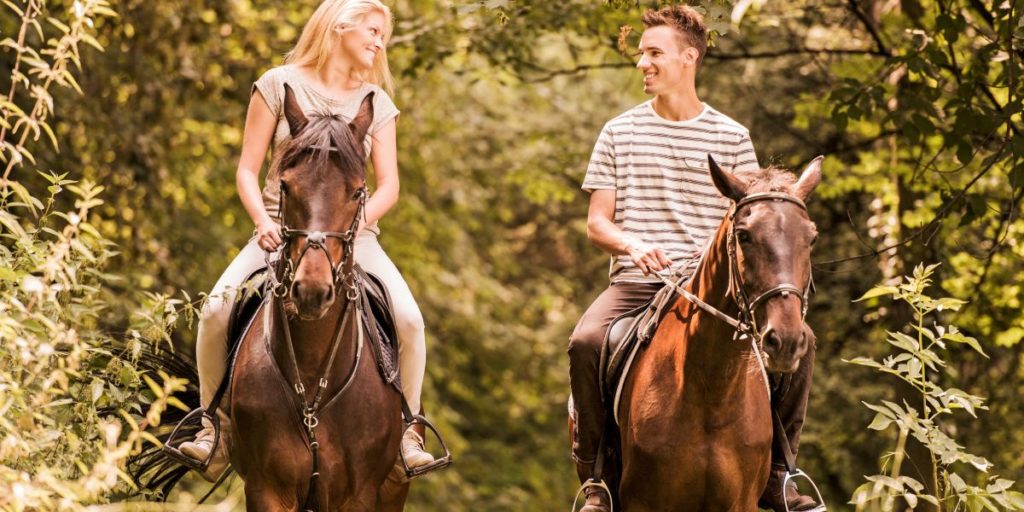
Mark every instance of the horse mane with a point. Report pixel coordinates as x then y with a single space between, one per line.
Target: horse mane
769 179
324 136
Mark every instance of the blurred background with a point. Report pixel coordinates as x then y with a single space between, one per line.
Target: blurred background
915 104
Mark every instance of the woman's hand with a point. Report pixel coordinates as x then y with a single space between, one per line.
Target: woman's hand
268 235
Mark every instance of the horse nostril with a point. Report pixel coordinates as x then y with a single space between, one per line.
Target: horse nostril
772 341
295 288
329 296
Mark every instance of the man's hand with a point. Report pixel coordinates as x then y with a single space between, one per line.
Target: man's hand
648 258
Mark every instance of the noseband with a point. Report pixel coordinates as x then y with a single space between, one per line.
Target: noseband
317 241
747 321
746 324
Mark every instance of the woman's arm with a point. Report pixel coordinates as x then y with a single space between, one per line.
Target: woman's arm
384 155
260 124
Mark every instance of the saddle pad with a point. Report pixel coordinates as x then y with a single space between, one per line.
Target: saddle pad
247 303
380 325
377 318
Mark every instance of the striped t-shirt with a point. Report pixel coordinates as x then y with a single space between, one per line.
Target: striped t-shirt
659 170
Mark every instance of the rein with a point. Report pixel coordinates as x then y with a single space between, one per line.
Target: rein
281 286
746 325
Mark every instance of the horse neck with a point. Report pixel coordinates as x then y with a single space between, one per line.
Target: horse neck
709 339
711 277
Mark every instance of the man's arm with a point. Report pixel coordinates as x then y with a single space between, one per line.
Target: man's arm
602 232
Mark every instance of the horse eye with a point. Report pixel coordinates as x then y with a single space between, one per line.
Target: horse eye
743 236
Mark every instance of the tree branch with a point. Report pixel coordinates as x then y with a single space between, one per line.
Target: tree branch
932 225
883 49
548 74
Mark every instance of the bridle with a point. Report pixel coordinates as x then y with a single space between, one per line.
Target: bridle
746 324
343 276
747 306
284 275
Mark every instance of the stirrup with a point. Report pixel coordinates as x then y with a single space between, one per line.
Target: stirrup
171 447
798 473
439 463
593 483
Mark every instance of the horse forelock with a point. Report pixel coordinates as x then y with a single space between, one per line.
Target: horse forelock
324 136
769 179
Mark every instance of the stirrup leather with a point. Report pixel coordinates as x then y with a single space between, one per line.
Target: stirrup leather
593 483
173 443
439 463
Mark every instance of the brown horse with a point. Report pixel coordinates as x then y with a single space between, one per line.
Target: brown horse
696 427
313 428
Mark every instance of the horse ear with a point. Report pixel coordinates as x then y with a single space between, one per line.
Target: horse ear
361 123
293 112
728 185
809 179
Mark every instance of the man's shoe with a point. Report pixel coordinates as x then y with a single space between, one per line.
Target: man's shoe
412 450
777 499
597 500
200 448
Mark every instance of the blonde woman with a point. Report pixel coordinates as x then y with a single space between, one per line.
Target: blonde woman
339 58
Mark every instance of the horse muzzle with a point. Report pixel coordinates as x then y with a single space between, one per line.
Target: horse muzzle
312 299
784 348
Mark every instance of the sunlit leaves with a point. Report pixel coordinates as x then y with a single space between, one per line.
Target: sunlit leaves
69 384
916 360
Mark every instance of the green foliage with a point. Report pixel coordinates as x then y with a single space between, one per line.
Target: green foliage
501 104
917 359
71 394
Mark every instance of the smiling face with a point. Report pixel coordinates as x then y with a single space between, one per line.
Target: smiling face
665 62
360 43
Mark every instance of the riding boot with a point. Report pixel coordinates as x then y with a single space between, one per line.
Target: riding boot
597 499
413 449
199 449
777 499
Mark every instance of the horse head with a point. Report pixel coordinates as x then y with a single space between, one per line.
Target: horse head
770 240
323 179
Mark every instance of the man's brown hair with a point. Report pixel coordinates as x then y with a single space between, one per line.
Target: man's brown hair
688 22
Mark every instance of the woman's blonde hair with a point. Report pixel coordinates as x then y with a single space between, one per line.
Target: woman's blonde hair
318 37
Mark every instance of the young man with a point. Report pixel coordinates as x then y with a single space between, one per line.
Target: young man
653 207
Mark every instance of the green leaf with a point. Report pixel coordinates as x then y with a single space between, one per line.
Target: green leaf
902 341
880 422
911 500
864 361
957 337
878 291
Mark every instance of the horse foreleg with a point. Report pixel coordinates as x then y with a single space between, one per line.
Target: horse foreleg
393 491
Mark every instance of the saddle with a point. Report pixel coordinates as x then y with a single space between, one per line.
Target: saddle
378 319
626 334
